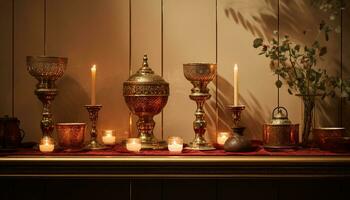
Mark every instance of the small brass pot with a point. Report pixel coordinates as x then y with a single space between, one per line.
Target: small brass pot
280 133
71 135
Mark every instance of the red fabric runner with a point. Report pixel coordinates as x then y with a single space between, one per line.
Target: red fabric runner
121 151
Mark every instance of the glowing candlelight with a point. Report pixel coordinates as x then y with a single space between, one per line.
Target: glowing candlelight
133 144
175 144
46 145
108 137
235 85
222 137
93 85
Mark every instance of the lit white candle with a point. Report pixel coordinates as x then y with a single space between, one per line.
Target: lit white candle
46 145
235 85
108 137
93 85
222 137
175 144
133 144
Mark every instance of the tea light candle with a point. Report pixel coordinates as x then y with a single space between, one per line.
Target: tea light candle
46 145
222 137
175 144
133 144
108 137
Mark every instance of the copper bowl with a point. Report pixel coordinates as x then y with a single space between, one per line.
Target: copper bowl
320 134
71 135
336 144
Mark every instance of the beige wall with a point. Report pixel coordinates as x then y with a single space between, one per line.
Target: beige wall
97 32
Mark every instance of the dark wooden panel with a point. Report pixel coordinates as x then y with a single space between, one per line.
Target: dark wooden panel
87 189
248 190
5 190
146 189
189 189
27 189
310 190
344 190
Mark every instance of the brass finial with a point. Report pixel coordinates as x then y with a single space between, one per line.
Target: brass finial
145 61
145 69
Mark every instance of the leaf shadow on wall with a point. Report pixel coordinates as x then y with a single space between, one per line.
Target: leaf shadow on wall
260 19
257 17
70 101
299 16
252 116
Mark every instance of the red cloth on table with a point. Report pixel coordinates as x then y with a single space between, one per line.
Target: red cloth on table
121 151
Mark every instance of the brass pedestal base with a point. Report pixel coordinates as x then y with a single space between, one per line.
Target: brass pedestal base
94 145
155 146
203 147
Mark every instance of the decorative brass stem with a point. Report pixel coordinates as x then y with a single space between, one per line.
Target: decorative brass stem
145 126
199 124
46 96
93 115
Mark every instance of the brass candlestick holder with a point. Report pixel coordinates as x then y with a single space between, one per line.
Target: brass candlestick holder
200 75
237 142
236 111
46 70
93 115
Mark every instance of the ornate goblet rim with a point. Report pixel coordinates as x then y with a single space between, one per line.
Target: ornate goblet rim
47 58
196 64
70 124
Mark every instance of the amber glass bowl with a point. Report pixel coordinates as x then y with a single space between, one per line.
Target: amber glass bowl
71 135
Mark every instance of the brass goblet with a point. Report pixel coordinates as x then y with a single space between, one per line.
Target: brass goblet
200 75
46 70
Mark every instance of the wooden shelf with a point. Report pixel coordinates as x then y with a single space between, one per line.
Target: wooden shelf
237 167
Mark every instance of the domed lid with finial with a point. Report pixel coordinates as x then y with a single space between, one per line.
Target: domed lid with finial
145 82
280 117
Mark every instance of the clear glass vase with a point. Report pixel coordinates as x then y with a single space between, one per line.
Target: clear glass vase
309 102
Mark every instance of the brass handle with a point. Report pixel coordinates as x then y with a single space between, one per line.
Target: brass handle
279 108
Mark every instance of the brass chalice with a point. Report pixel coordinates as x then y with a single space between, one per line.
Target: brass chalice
46 70
200 75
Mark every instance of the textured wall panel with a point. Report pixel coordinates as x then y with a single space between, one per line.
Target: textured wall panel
91 32
6 57
239 23
189 36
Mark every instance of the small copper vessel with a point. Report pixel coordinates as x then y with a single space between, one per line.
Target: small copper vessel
321 134
10 133
280 133
71 135
146 94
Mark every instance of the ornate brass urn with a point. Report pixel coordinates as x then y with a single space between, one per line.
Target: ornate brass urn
146 94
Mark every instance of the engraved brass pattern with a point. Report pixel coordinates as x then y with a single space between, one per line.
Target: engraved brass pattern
145 90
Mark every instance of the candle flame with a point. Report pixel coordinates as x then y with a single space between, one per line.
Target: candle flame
235 67
93 68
